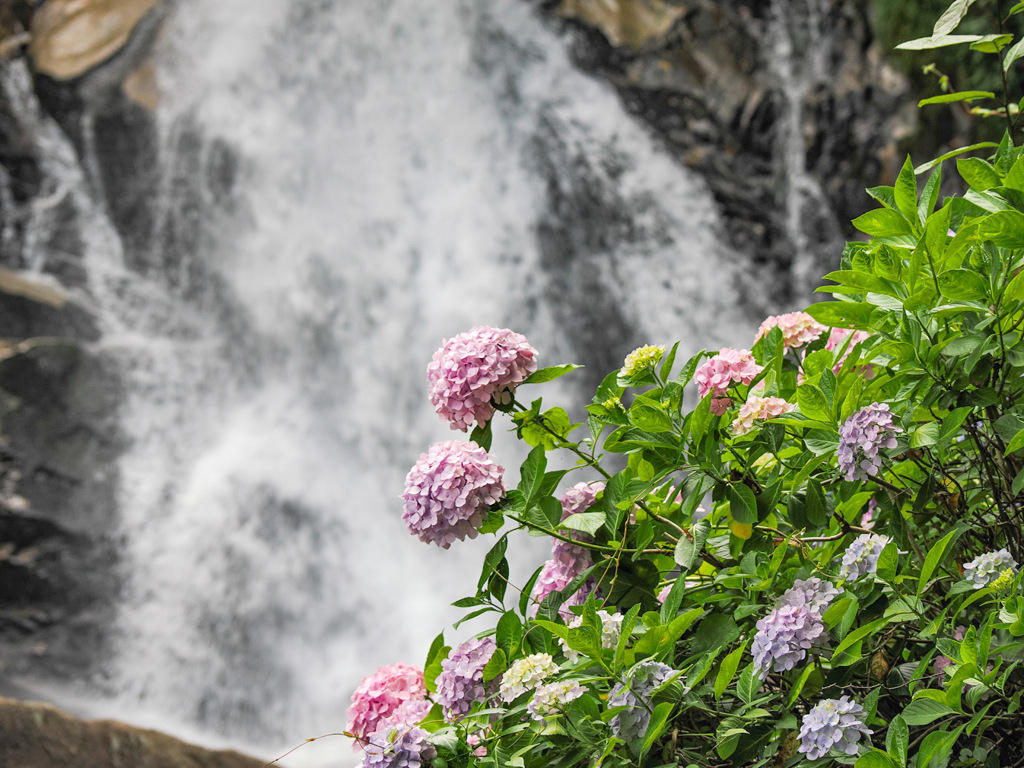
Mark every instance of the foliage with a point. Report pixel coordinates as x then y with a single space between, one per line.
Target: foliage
851 593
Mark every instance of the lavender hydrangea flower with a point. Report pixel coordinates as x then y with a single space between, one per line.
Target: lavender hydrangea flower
567 562
635 693
550 699
525 674
860 438
401 746
473 370
611 627
987 567
814 594
861 557
783 638
448 491
461 682
832 724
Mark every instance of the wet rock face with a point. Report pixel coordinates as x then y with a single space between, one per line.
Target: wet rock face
703 77
38 736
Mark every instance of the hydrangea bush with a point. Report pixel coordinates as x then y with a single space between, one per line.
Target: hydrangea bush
804 552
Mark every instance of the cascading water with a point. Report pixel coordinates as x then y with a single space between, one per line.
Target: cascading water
342 185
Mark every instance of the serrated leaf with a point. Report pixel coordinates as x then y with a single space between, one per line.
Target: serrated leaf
925 711
1004 228
979 174
687 552
897 739
743 504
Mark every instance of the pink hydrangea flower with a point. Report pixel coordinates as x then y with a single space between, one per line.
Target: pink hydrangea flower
728 367
567 562
798 328
474 369
448 491
580 498
381 695
837 338
759 409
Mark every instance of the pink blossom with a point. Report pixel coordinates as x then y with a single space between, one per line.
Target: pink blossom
567 562
798 328
728 367
448 491
381 695
473 370
759 409
837 337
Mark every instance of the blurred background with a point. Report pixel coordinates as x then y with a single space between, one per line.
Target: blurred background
232 234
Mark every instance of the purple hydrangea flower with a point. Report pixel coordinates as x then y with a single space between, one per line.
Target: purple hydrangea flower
461 682
860 438
567 562
814 594
635 693
861 557
401 746
550 699
473 370
783 638
448 491
986 568
832 724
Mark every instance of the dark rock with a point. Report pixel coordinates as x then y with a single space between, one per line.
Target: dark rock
34 735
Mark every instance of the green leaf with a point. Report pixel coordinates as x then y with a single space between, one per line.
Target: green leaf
991 43
936 41
547 429
588 522
897 739
432 666
687 552
905 191
978 173
948 155
1013 54
650 419
925 435
874 759
841 314
963 284
1004 228
888 560
727 671
934 558
859 634
951 17
882 222
498 663
816 508
948 98
509 633
925 711
656 727
813 403
743 504
1015 445
550 373
747 685
531 474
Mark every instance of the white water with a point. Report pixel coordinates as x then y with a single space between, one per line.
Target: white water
388 193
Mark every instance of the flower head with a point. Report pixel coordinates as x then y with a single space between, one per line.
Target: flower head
641 359
635 693
783 638
379 696
398 746
611 626
550 699
832 724
987 568
448 491
461 682
567 562
861 557
837 338
798 328
728 367
474 369
759 409
860 438
525 674
814 594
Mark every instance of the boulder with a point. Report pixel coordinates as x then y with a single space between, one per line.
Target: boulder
34 735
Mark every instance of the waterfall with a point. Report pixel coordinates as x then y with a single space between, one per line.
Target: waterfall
340 187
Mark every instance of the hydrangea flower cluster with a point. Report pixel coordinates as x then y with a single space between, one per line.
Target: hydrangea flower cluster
398 746
987 567
448 491
783 638
759 409
867 520
611 626
461 682
379 696
832 724
861 557
475 369
640 359
635 693
798 328
526 674
567 562
814 594
728 367
579 498
550 699
860 438
837 337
